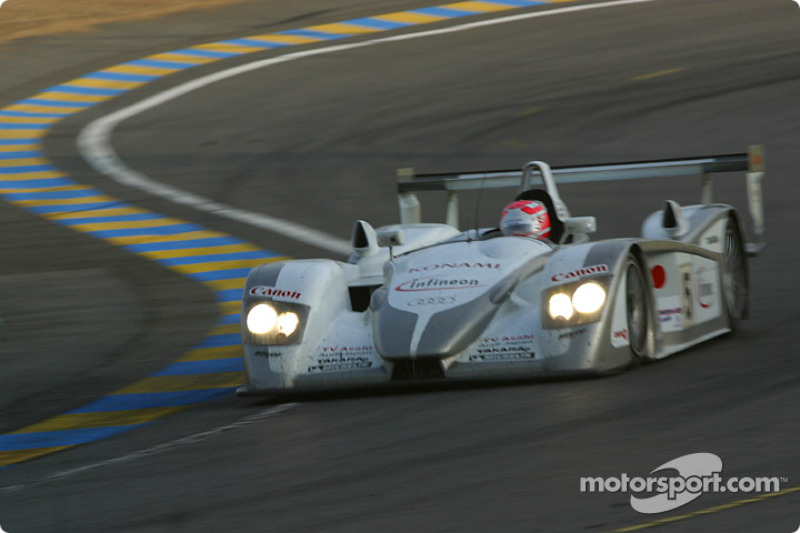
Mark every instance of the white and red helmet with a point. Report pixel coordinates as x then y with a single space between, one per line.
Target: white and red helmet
525 218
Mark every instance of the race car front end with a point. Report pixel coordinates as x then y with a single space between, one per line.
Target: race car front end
460 311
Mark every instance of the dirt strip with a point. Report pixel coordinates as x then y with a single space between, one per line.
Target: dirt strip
32 18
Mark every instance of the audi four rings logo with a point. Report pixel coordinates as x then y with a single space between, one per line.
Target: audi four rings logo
442 300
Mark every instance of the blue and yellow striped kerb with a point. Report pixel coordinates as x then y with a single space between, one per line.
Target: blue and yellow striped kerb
220 261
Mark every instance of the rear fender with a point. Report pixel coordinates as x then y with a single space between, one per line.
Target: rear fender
706 226
686 281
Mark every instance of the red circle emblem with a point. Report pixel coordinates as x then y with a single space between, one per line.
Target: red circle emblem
659 276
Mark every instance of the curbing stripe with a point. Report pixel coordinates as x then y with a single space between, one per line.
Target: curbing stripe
218 341
183 383
131 217
162 64
275 39
22 184
247 43
66 437
74 208
131 402
27 169
73 89
107 75
175 229
18 456
207 354
348 28
222 265
96 420
28 120
205 53
444 12
97 83
231 319
210 366
28 114
217 258
378 24
181 245
218 275
44 102
225 48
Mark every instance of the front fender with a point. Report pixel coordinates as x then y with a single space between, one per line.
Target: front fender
317 290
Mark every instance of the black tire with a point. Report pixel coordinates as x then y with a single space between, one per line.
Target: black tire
637 309
735 288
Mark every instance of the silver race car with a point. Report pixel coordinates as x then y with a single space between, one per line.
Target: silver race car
419 301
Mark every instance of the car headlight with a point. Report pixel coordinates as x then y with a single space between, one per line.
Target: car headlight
287 323
588 298
573 304
560 306
261 319
273 322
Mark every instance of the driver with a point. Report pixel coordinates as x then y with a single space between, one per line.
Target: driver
525 218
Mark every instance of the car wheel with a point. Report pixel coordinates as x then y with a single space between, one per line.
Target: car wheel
638 309
734 274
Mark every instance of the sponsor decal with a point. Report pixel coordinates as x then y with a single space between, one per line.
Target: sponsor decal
452 266
678 482
713 239
506 348
619 337
500 357
433 300
659 276
342 358
580 273
272 292
572 334
671 318
436 284
686 293
267 353
340 366
512 338
339 350
704 291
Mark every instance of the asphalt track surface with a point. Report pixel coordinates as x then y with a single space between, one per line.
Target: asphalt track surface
316 141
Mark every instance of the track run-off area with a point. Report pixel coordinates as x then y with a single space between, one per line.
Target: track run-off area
218 163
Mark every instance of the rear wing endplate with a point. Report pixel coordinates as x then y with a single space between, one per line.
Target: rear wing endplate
751 162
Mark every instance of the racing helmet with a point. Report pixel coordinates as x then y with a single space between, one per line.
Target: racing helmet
525 218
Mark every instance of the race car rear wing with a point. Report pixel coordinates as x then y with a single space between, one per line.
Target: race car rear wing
751 162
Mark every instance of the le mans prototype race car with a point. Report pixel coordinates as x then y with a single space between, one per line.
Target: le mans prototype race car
420 301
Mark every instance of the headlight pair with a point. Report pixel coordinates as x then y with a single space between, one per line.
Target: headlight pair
263 318
274 323
573 304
